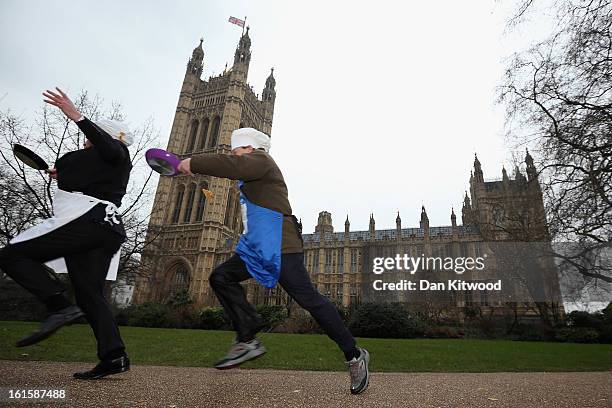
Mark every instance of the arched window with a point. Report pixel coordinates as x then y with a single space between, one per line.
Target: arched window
203 134
190 197
201 203
180 276
178 203
229 211
193 133
214 139
179 280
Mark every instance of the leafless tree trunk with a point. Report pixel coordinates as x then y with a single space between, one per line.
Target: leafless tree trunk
558 99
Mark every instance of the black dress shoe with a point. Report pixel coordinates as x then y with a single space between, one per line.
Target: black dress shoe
104 368
51 324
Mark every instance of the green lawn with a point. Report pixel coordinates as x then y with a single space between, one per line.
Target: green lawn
313 352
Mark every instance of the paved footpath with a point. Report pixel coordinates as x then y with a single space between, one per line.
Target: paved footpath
152 386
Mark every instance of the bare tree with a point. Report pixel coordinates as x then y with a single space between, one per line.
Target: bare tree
26 195
558 99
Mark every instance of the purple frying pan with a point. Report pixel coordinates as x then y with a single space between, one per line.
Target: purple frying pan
163 162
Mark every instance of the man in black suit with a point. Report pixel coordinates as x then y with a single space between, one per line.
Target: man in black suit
86 231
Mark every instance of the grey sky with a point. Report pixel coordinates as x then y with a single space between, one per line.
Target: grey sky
380 105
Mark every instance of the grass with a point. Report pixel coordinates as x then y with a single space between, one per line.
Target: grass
202 348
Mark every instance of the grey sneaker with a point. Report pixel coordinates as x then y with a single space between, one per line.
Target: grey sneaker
358 369
241 352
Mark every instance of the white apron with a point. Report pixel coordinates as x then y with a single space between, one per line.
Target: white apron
68 207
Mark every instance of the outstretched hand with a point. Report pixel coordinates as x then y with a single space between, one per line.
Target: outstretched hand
52 172
185 167
63 102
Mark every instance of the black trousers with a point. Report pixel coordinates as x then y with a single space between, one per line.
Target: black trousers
225 281
88 247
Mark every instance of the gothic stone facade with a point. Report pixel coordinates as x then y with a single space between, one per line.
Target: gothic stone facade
498 211
189 234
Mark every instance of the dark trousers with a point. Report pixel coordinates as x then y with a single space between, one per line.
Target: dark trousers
225 281
88 247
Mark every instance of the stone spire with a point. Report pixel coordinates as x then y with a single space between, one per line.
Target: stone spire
269 94
242 56
532 173
505 177
424 223
466 201
518 176
196 62
466 210
478 175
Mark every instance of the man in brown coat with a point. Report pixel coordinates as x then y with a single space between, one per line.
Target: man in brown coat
270 250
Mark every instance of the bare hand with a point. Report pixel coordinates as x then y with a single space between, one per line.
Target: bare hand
185 167
52 172
62 101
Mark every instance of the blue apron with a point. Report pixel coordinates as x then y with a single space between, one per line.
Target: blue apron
259 246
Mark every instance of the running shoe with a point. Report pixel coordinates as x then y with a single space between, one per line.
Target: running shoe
358 370
241 352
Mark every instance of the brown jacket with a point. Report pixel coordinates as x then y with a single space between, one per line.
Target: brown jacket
264 185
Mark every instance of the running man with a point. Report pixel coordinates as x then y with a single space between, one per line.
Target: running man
270 250
84 236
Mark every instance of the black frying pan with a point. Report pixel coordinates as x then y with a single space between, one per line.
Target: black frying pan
30 158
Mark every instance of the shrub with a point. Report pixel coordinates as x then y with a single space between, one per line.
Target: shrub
272 315
121 315
471 312
213 318
584 327
607 313
584 319
183 317
180 299
577 335
298 324
605 334
149 314
342 311
386 320
487 327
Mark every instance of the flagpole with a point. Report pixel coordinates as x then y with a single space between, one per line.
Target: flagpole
243 25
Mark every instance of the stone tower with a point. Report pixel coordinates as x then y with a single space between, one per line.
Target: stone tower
324 223
190 234
506 208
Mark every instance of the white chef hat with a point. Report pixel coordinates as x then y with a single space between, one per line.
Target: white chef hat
117 130
250 137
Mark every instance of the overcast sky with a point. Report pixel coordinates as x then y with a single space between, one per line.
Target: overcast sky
380 105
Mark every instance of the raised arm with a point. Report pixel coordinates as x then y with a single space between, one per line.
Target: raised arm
110 149
247 167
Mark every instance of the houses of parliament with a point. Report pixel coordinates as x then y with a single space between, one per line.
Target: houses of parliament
189 234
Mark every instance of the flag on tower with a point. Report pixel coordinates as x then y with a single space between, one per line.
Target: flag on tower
236 21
